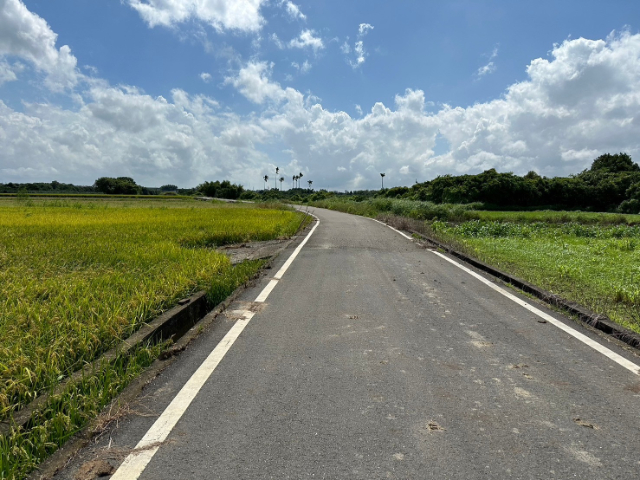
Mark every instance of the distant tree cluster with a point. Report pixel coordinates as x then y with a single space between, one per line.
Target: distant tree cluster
117 186
612 183
224 189
53 187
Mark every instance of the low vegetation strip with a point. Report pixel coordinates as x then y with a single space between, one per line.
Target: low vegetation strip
425 210
596 266
76 279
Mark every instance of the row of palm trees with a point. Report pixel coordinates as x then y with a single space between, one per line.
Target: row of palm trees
295 180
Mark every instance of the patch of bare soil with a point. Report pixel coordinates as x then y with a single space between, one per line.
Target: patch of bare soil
94 469
239 253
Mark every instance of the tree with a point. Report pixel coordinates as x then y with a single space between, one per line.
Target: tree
276 177
620 162
224 189
117 186
168 188
281 179
382 175
300 175
310 182
266 179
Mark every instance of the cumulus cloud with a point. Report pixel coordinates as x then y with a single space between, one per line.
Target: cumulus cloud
254 82
307 39
205 77
581 101
121 131
221 14
24 34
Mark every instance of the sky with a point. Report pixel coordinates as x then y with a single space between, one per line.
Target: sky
186 91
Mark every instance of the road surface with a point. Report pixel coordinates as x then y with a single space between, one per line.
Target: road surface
373 358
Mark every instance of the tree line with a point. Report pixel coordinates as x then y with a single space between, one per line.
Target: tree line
611 184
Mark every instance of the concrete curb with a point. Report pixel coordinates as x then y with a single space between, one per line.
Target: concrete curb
170 324
599 322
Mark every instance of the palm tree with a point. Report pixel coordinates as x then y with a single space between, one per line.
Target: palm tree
281 180
276 178
300 176
293 182
297 177
382 175
266 179
309 182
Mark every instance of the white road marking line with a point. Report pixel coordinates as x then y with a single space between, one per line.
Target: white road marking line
620 360
266 291
136 462
295 253
394 229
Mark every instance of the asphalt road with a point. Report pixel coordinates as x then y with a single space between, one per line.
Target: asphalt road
375 358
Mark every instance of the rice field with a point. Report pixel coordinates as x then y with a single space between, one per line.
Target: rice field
78 276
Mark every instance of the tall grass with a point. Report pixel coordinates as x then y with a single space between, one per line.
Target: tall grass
419 210
594 265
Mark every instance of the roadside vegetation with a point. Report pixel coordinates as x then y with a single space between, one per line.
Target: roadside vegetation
77 277
596 265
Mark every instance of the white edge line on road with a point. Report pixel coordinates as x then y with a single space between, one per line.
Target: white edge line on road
620 360
136 462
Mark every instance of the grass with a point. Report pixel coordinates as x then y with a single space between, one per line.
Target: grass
596 265
77 276
461 213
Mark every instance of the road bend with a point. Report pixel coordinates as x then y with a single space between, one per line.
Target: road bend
373 358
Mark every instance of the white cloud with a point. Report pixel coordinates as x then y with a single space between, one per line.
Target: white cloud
358 47
26 35
275 39
205 77
307 39
582 101
304 68
293 10
254 82
121 131
241 15
486 69
8 72
360 54
490 67
364 28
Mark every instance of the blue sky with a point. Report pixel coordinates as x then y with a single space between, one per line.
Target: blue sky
182 91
